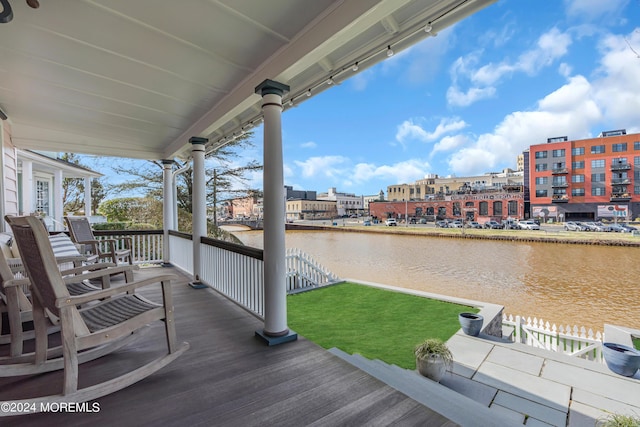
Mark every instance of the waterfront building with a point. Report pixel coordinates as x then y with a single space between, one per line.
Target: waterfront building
585 179
310 209
346 203
479 206
433 185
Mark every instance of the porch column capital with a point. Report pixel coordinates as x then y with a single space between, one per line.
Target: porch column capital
167 162
271 87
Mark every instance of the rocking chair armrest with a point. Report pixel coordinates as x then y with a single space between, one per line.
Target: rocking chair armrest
17 282
85 268
109 292
99 273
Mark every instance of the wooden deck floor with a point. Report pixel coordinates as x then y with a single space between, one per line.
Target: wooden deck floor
227 377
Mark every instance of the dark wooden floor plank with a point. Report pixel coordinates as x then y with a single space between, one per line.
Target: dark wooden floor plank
228 377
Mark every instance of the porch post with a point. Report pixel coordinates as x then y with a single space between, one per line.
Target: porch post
87 196
199 206
167 209
27 187
275 294
58 203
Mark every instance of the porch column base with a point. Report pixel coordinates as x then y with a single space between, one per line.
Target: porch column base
166 264
198 285
275 340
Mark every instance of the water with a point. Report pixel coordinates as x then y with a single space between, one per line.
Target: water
563 284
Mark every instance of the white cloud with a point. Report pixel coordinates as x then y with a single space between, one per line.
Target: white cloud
550 46
321 166
309 144
411 130
592 9
402 172
472 95
449 143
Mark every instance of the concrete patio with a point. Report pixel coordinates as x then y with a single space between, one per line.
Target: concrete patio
538 387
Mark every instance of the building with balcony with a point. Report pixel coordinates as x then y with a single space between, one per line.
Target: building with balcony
433 185
585 179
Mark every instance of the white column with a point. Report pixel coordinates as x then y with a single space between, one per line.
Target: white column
87 197
199 203
167 207
27 187
58 204
275 294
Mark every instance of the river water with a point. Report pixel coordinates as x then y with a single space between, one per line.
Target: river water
561 283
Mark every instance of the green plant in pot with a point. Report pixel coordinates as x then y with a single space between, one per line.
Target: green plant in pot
433 358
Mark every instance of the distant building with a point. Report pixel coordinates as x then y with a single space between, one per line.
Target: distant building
432 185
290 193
346 203
585 179
310 209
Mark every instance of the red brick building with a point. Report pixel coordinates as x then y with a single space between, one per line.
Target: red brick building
479 207
585 179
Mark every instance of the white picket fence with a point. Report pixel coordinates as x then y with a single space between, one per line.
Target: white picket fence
304 272
577 342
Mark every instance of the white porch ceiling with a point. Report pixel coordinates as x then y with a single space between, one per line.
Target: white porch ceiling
138 78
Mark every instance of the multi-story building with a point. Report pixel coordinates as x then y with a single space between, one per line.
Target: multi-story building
585 179
346 203
310 209
432 185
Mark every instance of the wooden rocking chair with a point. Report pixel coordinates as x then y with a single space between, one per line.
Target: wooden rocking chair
81 232
16 304
115 313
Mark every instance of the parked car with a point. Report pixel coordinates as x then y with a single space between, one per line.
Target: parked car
589 226
602 227
366 222
510 224
455 224
492 224
391 222
442 224
574 226
473 224
616 228
628 228
528 225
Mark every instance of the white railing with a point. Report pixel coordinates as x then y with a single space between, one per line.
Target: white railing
304 272
146 246
236 272
577 342
181 250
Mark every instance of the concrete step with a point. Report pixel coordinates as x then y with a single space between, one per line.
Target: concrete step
457 407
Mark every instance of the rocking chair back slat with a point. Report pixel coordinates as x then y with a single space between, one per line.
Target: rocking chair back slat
39 260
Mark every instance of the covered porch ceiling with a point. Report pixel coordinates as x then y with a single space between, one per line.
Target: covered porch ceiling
138 78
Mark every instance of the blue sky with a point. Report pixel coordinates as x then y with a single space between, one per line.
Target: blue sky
469 100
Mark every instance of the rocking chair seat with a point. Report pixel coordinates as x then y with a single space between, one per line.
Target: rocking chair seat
114 311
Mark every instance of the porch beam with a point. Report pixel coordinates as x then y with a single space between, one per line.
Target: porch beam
275 294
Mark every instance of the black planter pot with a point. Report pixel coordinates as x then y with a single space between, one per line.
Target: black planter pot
470 323
621 359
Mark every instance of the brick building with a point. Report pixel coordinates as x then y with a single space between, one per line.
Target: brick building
585 179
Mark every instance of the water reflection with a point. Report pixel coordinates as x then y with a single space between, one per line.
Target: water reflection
563 284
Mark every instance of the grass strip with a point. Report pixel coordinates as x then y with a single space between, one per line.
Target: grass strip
376 323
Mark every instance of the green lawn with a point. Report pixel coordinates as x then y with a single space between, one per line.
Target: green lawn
376 323
636 342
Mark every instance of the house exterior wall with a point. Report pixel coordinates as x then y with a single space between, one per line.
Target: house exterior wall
9 173
592 178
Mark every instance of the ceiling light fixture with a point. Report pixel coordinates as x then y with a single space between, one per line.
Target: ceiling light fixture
428 28
309 92
355 67
330 81
3 116
389 51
